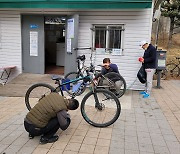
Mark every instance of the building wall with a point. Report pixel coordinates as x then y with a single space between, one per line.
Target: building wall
10 41
137 24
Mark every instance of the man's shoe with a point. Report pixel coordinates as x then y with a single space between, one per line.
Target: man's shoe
31 136
44 140
53 139
146 95
142 92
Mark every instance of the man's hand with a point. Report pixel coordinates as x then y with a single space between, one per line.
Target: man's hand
141 59
106 65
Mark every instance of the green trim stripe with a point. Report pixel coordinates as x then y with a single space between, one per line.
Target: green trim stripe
77 4
141 1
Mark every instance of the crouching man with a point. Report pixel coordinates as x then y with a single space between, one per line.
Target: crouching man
48 115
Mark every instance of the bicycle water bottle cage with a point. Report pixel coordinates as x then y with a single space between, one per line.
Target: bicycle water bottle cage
82 58
76 87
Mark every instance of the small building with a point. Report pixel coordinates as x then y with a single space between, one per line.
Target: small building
36 34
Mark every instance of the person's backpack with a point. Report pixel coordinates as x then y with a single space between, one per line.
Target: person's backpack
141 75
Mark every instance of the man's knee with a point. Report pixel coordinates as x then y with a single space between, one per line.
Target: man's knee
118 84
67 125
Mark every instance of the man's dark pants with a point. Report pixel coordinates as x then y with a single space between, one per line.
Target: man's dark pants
48 131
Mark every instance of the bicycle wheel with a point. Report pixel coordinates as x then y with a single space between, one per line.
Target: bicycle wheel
36 92
71 76
115 83
172 70
100 108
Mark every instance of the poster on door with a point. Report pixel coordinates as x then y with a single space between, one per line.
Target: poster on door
70 28
33 43
69 46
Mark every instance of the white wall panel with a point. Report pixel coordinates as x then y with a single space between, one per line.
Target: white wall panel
10 41
137 24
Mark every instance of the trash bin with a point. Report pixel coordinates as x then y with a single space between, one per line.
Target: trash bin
161 60
160 65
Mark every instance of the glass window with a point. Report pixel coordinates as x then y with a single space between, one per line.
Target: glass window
108 36
115 37
100 37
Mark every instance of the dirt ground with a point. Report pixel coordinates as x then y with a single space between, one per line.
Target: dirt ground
173 50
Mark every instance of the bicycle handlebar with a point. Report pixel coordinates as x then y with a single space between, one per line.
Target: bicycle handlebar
82 58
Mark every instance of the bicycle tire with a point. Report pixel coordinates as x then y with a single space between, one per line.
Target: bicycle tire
74 75
92 112
164 74
172 70
111 87
36 92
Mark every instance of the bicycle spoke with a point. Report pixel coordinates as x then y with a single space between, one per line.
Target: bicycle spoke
100 108
117 85
172 70
37 92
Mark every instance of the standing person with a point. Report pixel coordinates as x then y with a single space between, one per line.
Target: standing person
48 115
149 62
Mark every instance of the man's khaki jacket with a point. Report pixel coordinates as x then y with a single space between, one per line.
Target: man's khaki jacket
46 108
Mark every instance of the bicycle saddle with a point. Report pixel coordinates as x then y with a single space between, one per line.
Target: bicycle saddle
56 77
82 58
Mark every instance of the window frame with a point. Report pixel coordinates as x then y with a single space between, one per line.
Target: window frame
107 28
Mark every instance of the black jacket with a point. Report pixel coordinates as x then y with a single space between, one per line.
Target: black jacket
150 57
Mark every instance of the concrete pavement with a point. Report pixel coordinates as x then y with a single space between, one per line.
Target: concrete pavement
145 126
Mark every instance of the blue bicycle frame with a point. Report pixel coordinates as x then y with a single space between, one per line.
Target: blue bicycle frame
75 87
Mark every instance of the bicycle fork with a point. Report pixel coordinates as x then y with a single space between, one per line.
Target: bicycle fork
96 99
98 105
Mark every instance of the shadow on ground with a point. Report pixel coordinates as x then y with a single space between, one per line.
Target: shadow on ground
18 86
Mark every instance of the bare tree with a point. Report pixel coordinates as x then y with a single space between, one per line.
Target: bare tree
171 9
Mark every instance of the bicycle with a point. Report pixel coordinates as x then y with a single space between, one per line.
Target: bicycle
163 74
173 69
103 82
79 73
99 107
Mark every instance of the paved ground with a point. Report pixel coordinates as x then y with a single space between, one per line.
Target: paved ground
19 85
146 126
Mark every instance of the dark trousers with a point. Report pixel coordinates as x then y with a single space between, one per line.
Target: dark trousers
48 131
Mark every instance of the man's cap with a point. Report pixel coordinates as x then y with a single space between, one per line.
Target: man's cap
142 43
